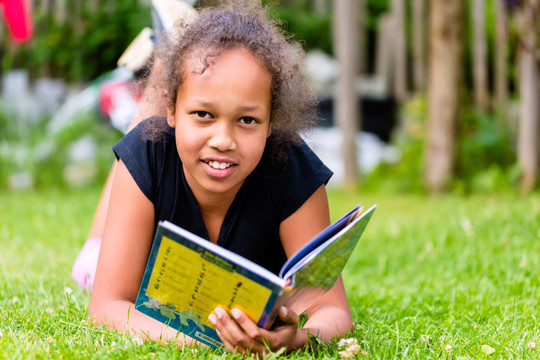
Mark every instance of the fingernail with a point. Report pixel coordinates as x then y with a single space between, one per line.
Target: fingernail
284 311
217 311
236 313
212 319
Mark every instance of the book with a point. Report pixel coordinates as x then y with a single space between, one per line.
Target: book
187 277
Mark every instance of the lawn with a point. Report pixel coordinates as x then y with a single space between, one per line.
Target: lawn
434 277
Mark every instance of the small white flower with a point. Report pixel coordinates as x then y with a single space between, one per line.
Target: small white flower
448 348
531 345
137 340
68 290
466 225
347 342
345 354
349 352
425 338
523 263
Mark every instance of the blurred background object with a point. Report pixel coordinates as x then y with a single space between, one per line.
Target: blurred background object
425 96
18 17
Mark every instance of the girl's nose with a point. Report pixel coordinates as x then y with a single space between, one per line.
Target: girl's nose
222 138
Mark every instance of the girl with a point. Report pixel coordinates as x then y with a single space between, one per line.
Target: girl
226 163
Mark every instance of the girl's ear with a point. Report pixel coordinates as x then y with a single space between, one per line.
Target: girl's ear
170 116
269 130
170 111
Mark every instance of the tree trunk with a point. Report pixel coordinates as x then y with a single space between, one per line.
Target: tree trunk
444 79
480 79
60 11
419 44
501 56
346 109
384 51
320 6
528 125
362 31
400 51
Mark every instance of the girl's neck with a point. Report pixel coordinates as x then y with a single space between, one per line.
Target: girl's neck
213 206
213 211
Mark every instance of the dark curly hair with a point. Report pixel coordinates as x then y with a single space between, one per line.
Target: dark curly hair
243 23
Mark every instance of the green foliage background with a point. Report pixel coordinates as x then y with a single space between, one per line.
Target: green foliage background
93 37
83 47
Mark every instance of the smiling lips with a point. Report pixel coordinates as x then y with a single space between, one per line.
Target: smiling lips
219 165
219 169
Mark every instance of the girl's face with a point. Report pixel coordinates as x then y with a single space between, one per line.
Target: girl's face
222 121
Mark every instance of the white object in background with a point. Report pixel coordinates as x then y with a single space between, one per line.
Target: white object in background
371 151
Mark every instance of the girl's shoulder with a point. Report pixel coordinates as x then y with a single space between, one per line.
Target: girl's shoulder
291 151
292 177
155 128
293 162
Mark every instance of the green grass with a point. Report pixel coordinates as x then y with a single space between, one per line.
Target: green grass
430 272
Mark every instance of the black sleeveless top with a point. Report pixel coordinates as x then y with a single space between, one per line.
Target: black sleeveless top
269 195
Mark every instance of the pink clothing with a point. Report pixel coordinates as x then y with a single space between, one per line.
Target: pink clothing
84 267
18 16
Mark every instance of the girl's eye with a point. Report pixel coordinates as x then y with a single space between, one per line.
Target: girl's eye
203 114
248 120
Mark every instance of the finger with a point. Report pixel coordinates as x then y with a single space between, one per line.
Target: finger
216 319
233 348
223 335
232 335
248 326
288 317
271 340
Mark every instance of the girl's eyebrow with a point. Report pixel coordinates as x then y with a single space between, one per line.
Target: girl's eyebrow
202 102
250 108
206 103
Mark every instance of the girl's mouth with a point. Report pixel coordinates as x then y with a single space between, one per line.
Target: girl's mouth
219 165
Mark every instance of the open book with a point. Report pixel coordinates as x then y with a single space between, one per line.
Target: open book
187 277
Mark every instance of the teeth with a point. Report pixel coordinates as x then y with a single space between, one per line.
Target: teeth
218 165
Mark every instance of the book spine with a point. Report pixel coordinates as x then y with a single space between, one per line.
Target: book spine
268 317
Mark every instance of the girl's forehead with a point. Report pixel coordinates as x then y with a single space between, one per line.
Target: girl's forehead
235 75
198 60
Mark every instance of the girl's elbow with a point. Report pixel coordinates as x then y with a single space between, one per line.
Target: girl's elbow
344 323
97 311
95 314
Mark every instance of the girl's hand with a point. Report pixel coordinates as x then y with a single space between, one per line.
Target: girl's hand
240 334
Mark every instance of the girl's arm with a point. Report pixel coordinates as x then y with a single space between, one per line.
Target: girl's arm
147 107
328 317
127 238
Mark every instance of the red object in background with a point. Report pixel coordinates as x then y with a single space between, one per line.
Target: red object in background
18 16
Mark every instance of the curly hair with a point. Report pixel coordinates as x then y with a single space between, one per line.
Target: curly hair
244 23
